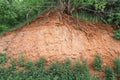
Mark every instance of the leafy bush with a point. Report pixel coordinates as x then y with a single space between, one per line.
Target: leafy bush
3 58
109 73
97 64
14 12
117 34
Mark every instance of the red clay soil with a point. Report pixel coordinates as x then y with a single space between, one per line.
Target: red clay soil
57 36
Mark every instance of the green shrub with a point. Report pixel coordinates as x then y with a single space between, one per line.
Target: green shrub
67 73
40 63
3 28
117 34
109 73
21 61
117 65
97 64
13 64
94 77
55 70
81 71
28 64
3 58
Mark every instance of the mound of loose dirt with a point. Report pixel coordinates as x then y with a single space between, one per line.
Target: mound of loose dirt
57 36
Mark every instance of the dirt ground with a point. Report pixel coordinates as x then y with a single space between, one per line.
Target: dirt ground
59 36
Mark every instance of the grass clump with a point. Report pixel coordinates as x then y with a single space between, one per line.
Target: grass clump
3 58
109 73
97 64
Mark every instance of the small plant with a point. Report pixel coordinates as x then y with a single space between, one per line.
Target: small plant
97 64
21 61
28 64
117 34
13 64
40 63
67 64
117 65
94 77
67 73
3 58
55 70
3 28
81 71
109 73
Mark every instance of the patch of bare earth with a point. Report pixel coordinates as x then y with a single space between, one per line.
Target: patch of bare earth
57 37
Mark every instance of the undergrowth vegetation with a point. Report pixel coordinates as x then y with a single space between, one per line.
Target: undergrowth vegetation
28 70
16 13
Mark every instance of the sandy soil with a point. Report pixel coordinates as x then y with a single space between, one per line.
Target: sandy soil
57 36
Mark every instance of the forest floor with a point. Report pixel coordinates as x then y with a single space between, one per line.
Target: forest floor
59 36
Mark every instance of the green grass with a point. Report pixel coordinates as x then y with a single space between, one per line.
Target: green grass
86 16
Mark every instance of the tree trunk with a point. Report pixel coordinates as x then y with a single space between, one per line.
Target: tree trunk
65 6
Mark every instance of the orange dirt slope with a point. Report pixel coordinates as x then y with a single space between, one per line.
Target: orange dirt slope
57 36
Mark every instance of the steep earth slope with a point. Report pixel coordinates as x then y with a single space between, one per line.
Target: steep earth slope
56 37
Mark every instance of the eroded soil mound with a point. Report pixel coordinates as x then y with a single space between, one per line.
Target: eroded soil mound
57 36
